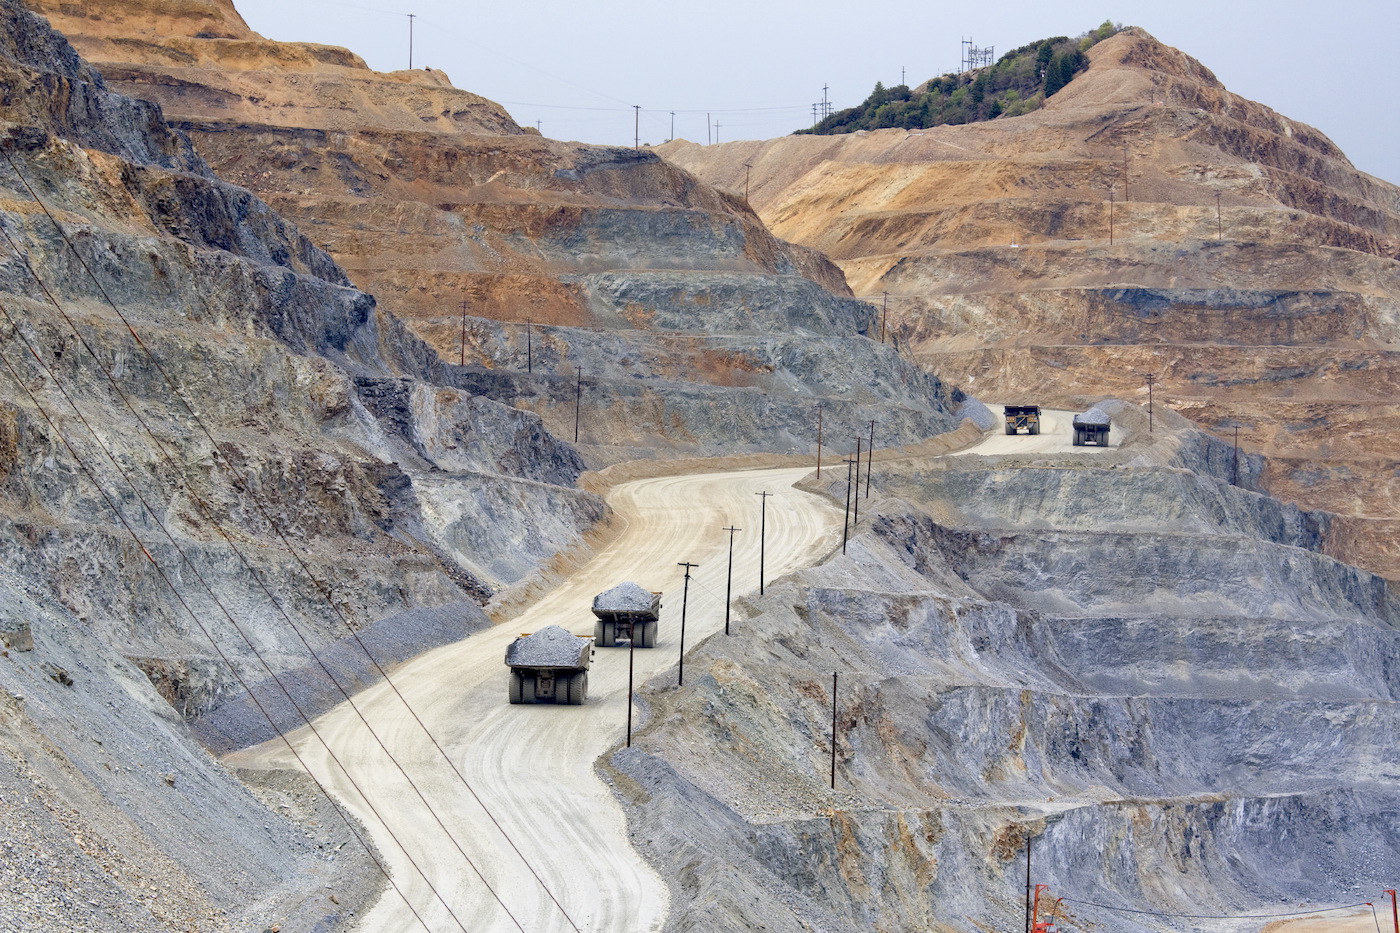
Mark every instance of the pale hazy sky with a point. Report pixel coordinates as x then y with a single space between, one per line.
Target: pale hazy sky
758 67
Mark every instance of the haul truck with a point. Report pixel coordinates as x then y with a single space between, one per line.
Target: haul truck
1022 418
626 612
549 665
1091 428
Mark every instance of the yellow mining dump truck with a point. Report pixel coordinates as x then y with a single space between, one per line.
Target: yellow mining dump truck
627 612
1022 418
549 665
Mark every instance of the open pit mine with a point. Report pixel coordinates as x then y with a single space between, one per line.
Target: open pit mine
409 522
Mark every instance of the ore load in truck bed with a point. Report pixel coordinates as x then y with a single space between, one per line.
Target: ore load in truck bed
627 599
627 612
1091 427
550 647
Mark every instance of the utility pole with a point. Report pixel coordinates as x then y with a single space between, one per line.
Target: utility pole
1028 881
685 597
747 166
539 127
884 315
636 126
820 406
578 402
826 106
1151 378
729 578
631 654
1110 215
1125 173
673 126
833 730
462 358
902 79
1219 226
411 17
716 132
869 458
846 527
1235 481
856 520
529 347
762 534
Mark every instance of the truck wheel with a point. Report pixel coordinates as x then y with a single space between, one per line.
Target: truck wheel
527 689
598 632
1010 429
609 639
648 635
578 688
1035 429
515 686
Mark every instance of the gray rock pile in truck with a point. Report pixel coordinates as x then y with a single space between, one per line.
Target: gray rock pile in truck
551 664
627 612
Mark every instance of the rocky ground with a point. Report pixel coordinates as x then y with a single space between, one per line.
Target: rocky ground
1146 220
196 413
696 331
1151 672
1162 677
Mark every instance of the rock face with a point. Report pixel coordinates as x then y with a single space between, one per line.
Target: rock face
1151 673
605 260
215 456
1238 257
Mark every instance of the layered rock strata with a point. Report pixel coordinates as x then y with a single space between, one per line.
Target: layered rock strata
1150 673
1146 220
215 457
690 322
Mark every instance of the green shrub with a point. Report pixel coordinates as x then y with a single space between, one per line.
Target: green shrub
1018 83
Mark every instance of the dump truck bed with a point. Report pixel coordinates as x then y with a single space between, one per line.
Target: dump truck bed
551 647
1094 417
627 601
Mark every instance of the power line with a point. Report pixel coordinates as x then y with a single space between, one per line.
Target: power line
160 571
327 596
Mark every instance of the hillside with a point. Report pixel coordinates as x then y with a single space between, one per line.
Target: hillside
219 463
526 258
234 486
1150 674
1018 82
1146 220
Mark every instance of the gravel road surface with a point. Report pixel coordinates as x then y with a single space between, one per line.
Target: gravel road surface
532 765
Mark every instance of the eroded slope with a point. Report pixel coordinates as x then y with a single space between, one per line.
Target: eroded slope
1153 674
672 297
214 453
1145 221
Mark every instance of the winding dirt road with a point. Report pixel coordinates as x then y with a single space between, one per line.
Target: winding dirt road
533 765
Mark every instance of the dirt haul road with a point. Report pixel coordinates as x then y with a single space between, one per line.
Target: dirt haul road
532 765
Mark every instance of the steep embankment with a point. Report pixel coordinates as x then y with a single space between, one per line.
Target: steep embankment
1145 221
527 258
215 455
1152 674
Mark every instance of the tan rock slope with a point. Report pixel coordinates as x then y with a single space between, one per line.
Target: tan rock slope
426 194
1145 221
695 325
